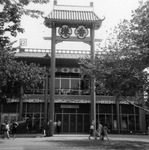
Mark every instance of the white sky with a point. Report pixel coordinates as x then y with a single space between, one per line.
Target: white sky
113 10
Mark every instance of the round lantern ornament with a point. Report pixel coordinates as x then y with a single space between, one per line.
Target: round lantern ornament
65 31
81 32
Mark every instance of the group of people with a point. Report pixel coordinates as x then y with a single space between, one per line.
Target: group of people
9 128
101 132
45 127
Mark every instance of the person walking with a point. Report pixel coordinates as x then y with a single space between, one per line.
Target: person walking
6 131
92 128
100 131
58 126
14 129
106 130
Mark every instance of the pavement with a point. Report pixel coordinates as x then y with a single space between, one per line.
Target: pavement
74 142
123 137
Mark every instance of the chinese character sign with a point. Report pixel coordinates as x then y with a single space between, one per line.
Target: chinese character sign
65 31
81 32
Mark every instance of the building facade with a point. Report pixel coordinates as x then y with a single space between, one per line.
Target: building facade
72 100
75 103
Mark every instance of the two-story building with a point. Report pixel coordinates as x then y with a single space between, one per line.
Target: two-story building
72 95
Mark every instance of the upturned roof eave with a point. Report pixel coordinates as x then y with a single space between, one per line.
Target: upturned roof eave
48 22
70 21
73 18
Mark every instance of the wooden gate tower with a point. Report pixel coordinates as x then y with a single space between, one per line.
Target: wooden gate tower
71 23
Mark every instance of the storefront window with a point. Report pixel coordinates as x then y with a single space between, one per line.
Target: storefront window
108 121
127 109
131 123
137 122
124 123
104 108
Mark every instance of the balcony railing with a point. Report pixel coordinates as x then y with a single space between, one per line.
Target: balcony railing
60 91
66 92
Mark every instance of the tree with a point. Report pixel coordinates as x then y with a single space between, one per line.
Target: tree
119 68
11 72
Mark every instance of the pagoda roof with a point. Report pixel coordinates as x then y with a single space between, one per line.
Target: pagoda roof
69 15
73 15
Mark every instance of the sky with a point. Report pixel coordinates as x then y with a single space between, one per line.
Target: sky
112 10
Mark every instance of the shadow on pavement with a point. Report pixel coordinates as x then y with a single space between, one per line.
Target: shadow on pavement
104 145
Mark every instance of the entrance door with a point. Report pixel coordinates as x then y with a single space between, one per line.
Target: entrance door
66 123
72 123
69 123
80 123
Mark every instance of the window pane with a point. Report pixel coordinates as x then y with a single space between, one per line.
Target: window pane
127 109
65 84
74 84
57 83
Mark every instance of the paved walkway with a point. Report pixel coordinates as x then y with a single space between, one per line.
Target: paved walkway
74 142
120 137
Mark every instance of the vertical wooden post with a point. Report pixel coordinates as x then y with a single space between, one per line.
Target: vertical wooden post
52 83
142 119
118 114
21 103
46 97
93 96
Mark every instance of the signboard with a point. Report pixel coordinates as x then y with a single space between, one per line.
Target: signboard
70 106
23 42
65 31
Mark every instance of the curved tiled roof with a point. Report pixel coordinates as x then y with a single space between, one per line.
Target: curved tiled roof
73 15
44 53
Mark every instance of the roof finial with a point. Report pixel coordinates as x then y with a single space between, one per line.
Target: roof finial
55 2
91 4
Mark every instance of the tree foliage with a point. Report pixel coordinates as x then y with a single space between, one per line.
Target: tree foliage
119 66
13 73
27 76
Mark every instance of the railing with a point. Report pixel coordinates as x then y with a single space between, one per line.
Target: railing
67 92
60 92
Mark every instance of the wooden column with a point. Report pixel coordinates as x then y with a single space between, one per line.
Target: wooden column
142 119
118 113
46 96
21 103
93 96
52 82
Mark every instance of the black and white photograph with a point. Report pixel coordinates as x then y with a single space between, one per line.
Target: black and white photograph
74 74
